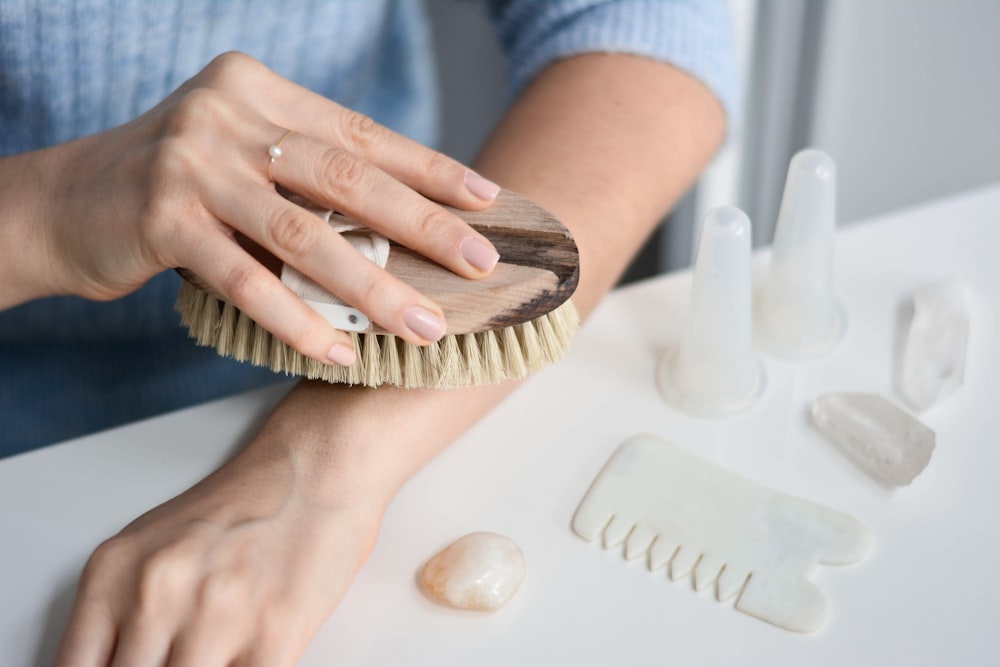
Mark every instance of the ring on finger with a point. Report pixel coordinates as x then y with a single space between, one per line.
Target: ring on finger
274 152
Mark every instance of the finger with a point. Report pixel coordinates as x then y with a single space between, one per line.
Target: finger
144 642
90 635
207 642
221 625
425 170
89 639
244 282
278 642
343 181
430 172
303 240
292 106
275 653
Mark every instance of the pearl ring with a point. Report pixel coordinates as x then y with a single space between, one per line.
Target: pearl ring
274 152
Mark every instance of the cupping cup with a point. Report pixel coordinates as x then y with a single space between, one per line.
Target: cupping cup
796 315
713 371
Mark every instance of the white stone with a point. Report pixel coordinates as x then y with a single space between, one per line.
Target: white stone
885 440
479 571
932 361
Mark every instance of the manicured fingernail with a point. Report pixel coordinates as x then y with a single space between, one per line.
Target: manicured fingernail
480 187
342 354
424 323
481 255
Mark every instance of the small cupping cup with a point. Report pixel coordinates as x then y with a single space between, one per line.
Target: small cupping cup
796 316
713 370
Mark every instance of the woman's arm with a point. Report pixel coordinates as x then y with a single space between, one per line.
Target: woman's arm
249 563
99 216
609 165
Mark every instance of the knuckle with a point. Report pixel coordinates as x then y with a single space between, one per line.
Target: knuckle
198 109
221 590
242 284
437 165
359 130
341 171
293 232
231 64
160 576
378 292
431 222
111 554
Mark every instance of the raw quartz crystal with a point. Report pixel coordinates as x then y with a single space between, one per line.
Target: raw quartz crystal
480 571
882 438
932 362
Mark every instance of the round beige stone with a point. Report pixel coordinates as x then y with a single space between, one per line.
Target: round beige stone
480 571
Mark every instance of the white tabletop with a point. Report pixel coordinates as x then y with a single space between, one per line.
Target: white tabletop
926 595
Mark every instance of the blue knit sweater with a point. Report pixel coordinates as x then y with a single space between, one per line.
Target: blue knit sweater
69 68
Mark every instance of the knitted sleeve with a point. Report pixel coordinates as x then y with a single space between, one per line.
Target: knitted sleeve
692 35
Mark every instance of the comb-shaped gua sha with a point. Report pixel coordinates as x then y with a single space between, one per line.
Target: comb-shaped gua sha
695 517
506 325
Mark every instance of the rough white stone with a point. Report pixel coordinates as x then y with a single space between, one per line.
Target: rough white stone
881 437
932 361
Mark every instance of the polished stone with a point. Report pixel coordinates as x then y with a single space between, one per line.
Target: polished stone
480 571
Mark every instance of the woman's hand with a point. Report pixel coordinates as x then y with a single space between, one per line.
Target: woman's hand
242 569
171 189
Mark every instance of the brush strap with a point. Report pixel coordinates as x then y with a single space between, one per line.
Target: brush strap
334 310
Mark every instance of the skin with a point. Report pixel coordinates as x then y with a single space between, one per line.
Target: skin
243 568
111 210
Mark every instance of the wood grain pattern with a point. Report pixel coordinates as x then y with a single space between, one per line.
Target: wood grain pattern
538 269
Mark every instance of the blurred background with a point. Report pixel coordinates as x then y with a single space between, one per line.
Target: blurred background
903 94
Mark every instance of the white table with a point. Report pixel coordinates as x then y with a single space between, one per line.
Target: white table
928 594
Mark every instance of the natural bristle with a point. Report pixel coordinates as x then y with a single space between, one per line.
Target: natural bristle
467 359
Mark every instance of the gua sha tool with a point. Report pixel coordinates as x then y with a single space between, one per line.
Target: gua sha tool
751 542
796 315
713 371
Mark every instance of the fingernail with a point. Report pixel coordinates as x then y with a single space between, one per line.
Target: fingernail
481 255
424 323
342 354
481 187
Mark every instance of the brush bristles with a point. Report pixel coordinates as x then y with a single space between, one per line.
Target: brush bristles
454 361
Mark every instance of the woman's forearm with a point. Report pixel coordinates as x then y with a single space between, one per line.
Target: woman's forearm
26 272
609 165
608 143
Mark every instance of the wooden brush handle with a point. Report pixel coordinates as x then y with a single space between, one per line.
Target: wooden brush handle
538 270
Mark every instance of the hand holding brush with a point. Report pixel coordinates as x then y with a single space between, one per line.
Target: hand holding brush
176 187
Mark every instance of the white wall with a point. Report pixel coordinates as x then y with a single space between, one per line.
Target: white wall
908 100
